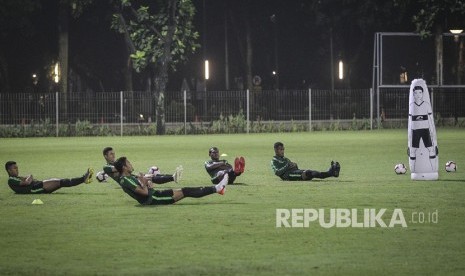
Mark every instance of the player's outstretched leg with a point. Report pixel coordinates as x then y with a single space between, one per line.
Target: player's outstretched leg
221 187
237 166
242 162
162 178
51 185
200 191
86 178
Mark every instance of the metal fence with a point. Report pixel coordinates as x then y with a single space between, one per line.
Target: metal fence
310 107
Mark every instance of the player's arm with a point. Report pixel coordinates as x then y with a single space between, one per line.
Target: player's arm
144 185
26 181
213 165
109 169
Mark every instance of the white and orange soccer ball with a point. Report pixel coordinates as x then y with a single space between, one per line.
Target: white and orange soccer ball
451 166
400 169
154 170
102 176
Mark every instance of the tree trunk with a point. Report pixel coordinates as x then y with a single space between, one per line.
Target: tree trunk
439 54
160 87
128 83
161 78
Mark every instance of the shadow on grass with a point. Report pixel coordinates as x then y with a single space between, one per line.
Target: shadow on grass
452 180
238 184
190 204
63 194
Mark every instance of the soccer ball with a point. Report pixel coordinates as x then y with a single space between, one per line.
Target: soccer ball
154 170
400 169
451 166
102 176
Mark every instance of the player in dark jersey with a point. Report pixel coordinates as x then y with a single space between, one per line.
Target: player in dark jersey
288 170
141 188
217 168
110 170
29 185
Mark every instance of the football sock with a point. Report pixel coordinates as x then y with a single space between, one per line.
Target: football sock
198 191
316 174
162 178
66 182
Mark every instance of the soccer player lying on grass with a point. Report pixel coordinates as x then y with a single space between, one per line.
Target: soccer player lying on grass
141 188
217 168
288 170
29 185
153 175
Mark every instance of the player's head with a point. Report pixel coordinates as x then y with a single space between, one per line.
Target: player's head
213 152
122 165
279 148
11 168
109 154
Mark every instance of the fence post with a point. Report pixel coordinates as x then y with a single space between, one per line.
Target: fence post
185 112
56 113
378 109
371 108
248 110
121 112
309 109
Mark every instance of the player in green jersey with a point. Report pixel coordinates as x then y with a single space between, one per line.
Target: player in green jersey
288 170
110 170
141 188
29 185
217 168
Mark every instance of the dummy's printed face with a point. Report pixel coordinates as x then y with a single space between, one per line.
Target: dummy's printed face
418 94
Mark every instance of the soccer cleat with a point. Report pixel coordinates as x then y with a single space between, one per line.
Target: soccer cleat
221 187
237 165
178 173
88 176
242 162
335 168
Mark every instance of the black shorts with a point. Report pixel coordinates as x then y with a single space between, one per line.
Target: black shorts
164 197
422 133
36 187
294 175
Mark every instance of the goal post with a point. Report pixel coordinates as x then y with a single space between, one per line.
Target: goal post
399 57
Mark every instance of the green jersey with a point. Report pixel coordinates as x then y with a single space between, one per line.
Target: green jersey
14 181
129 184
213 167
36 187
281 165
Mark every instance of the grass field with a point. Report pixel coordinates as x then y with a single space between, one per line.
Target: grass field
96 229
